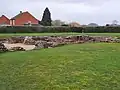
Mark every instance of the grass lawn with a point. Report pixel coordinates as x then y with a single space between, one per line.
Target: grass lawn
72 67
36 34
59 34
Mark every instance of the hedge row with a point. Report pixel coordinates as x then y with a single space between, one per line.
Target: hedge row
101 29
28 29
25 29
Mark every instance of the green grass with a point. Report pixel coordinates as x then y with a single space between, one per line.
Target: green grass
59 34
72 67
36 34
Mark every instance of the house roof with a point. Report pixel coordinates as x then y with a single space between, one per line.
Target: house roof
93 24
3 16
22 13
16 16
4 20
74 24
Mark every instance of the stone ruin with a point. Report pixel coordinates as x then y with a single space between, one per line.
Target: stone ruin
3 48
40 42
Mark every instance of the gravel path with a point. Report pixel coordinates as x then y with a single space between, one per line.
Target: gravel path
26 47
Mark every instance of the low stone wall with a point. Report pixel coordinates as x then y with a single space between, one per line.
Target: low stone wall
51 41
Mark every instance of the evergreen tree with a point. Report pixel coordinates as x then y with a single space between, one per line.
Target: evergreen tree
46 19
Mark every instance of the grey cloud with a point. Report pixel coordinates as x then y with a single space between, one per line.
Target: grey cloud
90 2
83 11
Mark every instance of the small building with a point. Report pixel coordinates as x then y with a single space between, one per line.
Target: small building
74 24
23 18
4 21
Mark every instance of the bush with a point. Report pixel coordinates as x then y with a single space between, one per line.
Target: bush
103 29
61 29
28 29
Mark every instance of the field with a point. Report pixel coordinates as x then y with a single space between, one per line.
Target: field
72 67
58 34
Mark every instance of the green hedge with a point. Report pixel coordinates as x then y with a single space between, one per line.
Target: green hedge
28 29
101 29
25 29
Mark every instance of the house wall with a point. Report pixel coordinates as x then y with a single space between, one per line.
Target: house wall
4 20
25 18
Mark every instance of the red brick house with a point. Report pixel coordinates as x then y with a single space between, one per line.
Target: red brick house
4 20
23 18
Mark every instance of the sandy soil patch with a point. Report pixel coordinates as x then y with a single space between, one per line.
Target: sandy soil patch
26 47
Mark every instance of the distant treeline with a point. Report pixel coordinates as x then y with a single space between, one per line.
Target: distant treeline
61 29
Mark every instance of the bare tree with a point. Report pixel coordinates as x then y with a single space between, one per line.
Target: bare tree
115 22
57 23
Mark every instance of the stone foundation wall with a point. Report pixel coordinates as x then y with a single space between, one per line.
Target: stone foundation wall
53 41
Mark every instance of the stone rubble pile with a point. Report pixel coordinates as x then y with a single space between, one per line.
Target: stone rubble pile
53 41
3 48
13 40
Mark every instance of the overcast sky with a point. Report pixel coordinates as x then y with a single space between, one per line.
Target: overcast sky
82 11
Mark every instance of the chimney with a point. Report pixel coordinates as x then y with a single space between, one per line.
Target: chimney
3 16
20 12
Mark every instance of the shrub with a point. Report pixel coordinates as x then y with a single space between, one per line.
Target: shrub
102 29
61 29
28 29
